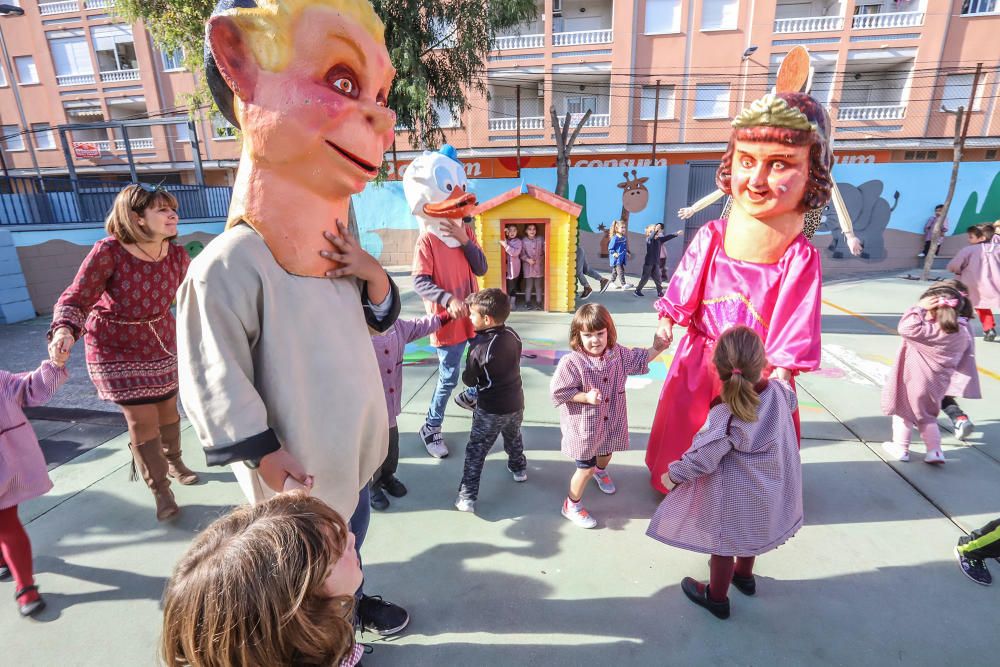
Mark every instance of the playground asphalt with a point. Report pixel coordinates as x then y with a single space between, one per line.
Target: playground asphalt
869 580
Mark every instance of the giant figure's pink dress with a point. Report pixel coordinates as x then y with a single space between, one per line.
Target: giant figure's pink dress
709 293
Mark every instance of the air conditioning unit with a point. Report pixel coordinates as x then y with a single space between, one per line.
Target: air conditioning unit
541 89
557 7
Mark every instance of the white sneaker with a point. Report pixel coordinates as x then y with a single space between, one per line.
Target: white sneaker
935 457
964 428
433 442
465 505
604 481
923 254
465 401
519 475
578 515
896 451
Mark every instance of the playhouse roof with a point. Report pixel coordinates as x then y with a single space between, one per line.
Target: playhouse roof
541 194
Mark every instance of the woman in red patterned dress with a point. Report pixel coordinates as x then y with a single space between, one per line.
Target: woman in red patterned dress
120 302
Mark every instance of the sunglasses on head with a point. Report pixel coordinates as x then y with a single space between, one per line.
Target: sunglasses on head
151 189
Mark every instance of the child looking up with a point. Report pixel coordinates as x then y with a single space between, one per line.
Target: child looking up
937 344
23 474
978 265
389 349
493 367
737 492
588 387
269 584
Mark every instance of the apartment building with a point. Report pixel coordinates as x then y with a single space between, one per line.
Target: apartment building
665 72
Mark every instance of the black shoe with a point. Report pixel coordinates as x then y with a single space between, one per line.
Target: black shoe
990 335
587 291
378 500
394 487
745 585
30 608
973 568
5 572
381 617
605 284
698 593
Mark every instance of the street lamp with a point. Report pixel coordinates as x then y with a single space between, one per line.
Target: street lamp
13 10
750 50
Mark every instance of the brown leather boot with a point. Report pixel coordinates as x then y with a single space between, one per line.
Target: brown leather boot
148 460
171 436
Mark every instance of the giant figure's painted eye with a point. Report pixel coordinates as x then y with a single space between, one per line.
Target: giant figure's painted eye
344 85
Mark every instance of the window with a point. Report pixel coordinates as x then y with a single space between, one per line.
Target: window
719 14
443 33
183 133
666 107
979 7
13 140
221 129
711 100
920 156
662 17
581 104
445 116
115 48
44 139
867 8
26 72
71 57
957 88
173 60
991 154
3 77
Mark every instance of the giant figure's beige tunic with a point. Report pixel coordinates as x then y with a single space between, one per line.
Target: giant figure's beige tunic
261 348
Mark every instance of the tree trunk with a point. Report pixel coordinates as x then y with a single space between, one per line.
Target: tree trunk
564 146
939 222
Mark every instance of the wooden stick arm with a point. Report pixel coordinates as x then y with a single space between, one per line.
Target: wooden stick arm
701 204
846 226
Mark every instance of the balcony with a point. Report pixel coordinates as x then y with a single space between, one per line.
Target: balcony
98 4
49 8
582 37
888 20
74 79
510 124
120 75
809 24
595 120
872 112
118 145
511 42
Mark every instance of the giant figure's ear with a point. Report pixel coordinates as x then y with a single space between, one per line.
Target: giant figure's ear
231 65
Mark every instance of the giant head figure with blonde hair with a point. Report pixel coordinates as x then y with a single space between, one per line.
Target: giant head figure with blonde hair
307 83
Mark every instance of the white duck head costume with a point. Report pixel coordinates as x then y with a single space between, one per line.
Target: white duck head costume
436 189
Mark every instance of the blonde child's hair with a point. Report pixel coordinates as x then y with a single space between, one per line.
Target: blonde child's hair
618 225
591 317
250 590
651 228
740 359
130 204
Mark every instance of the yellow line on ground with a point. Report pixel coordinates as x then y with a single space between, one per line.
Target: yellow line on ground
879 325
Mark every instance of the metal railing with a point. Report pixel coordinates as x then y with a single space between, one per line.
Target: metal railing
595 120
519 42
888 20
24 200
48 8
809 24
74 79
510 124
120 75
872 112
582 37
99 4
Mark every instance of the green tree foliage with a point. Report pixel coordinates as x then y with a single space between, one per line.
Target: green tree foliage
439 49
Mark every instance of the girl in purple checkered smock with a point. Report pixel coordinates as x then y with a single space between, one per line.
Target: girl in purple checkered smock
737 491
588 387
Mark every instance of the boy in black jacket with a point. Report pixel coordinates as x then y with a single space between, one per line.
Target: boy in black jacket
493 367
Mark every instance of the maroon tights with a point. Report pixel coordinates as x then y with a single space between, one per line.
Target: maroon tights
721 570
15 550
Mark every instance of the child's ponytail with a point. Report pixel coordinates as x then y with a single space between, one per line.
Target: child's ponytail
739 358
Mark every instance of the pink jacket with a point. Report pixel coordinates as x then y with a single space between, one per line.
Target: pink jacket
23 473
533 249
512 248
978 266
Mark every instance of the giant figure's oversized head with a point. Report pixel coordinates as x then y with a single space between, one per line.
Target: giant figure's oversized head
307 82
437 188
778 159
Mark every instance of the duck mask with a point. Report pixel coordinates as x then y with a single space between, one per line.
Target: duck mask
436 189
307 82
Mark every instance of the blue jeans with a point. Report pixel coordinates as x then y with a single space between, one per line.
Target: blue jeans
449 361
359 526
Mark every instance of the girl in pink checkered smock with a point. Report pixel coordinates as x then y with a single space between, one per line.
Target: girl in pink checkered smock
23 473
588 387
937 346
737 491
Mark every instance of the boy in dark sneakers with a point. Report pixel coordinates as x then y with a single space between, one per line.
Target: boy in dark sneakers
975 548
493 368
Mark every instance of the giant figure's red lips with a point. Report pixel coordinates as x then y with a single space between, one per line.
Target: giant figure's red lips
366 167
459 204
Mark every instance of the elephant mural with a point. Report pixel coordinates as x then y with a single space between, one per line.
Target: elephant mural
870 213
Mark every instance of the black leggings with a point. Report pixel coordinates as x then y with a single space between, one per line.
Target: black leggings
650 271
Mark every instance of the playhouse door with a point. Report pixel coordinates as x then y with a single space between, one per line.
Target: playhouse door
542 225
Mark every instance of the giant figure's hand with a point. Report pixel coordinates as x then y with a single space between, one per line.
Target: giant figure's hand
354 261
685 213
854 244
61 345
665 332
282 472
455 229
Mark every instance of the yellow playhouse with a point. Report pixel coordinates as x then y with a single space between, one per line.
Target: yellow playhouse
556 221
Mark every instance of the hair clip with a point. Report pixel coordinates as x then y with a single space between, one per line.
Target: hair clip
737 371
